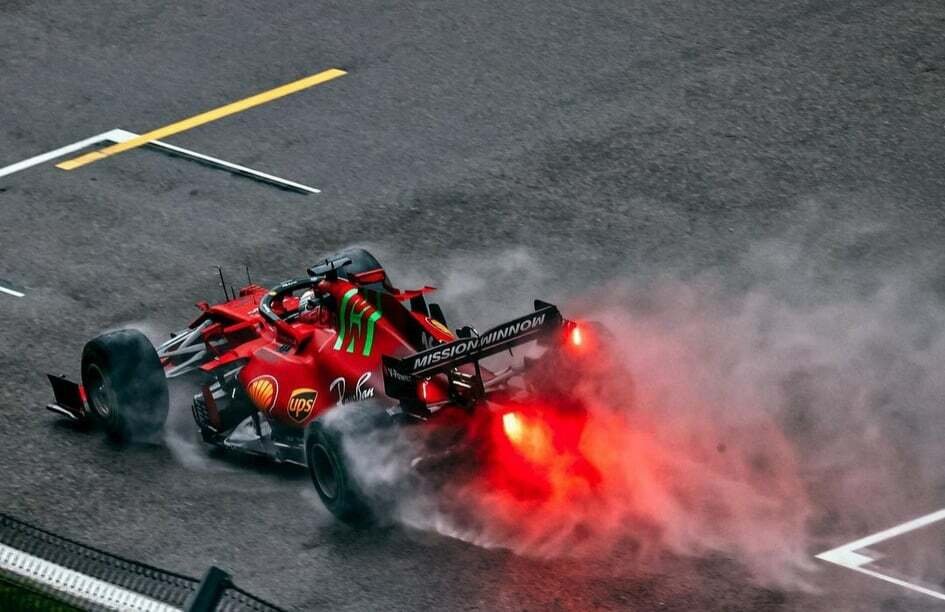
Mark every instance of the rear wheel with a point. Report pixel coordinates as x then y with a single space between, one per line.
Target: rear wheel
329 441
362 261
125 383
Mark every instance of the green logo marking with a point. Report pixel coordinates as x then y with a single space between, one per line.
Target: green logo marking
350 323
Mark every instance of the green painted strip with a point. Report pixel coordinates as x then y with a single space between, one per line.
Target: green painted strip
354 318
342 320
369 340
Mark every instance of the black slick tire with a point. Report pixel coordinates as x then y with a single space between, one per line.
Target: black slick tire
335 482
125 385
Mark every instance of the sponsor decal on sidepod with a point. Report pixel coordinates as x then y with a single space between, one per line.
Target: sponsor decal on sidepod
301 404
263 390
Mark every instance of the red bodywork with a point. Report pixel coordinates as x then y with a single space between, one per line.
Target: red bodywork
295 370
299 349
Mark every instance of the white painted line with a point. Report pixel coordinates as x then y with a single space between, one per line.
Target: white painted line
119 135
8 290
848 557
76 584
60 152
11 292
122 136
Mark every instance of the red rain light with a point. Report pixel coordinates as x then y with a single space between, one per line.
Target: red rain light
530 436
512 424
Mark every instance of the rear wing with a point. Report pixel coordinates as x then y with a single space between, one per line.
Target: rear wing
401 375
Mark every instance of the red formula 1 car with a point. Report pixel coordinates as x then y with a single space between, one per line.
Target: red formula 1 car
294 371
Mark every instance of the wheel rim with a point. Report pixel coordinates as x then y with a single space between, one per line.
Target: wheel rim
323 468
97 392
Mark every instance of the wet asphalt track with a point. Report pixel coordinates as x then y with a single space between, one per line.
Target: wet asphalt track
608 139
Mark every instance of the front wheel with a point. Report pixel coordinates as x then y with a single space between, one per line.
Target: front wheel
125 384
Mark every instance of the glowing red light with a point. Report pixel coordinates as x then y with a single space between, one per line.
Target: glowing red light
512 424
530 436
577 336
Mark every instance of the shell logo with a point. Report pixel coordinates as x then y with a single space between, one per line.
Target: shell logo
263 390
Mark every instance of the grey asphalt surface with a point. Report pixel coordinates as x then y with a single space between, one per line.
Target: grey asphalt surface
606 139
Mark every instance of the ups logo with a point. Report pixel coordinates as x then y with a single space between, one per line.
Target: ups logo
301 404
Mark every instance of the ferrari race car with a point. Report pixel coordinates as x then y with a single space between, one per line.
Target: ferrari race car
294 372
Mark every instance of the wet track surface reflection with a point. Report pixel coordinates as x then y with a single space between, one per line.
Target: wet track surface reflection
759 186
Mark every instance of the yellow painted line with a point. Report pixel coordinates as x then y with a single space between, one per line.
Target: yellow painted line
207 117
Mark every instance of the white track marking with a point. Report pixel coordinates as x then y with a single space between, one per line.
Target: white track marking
118 135
60 152
122 136
848 557
76 584
12 292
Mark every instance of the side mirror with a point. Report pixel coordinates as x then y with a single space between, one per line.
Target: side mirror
369 277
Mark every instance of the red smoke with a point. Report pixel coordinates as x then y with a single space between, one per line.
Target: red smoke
628 462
